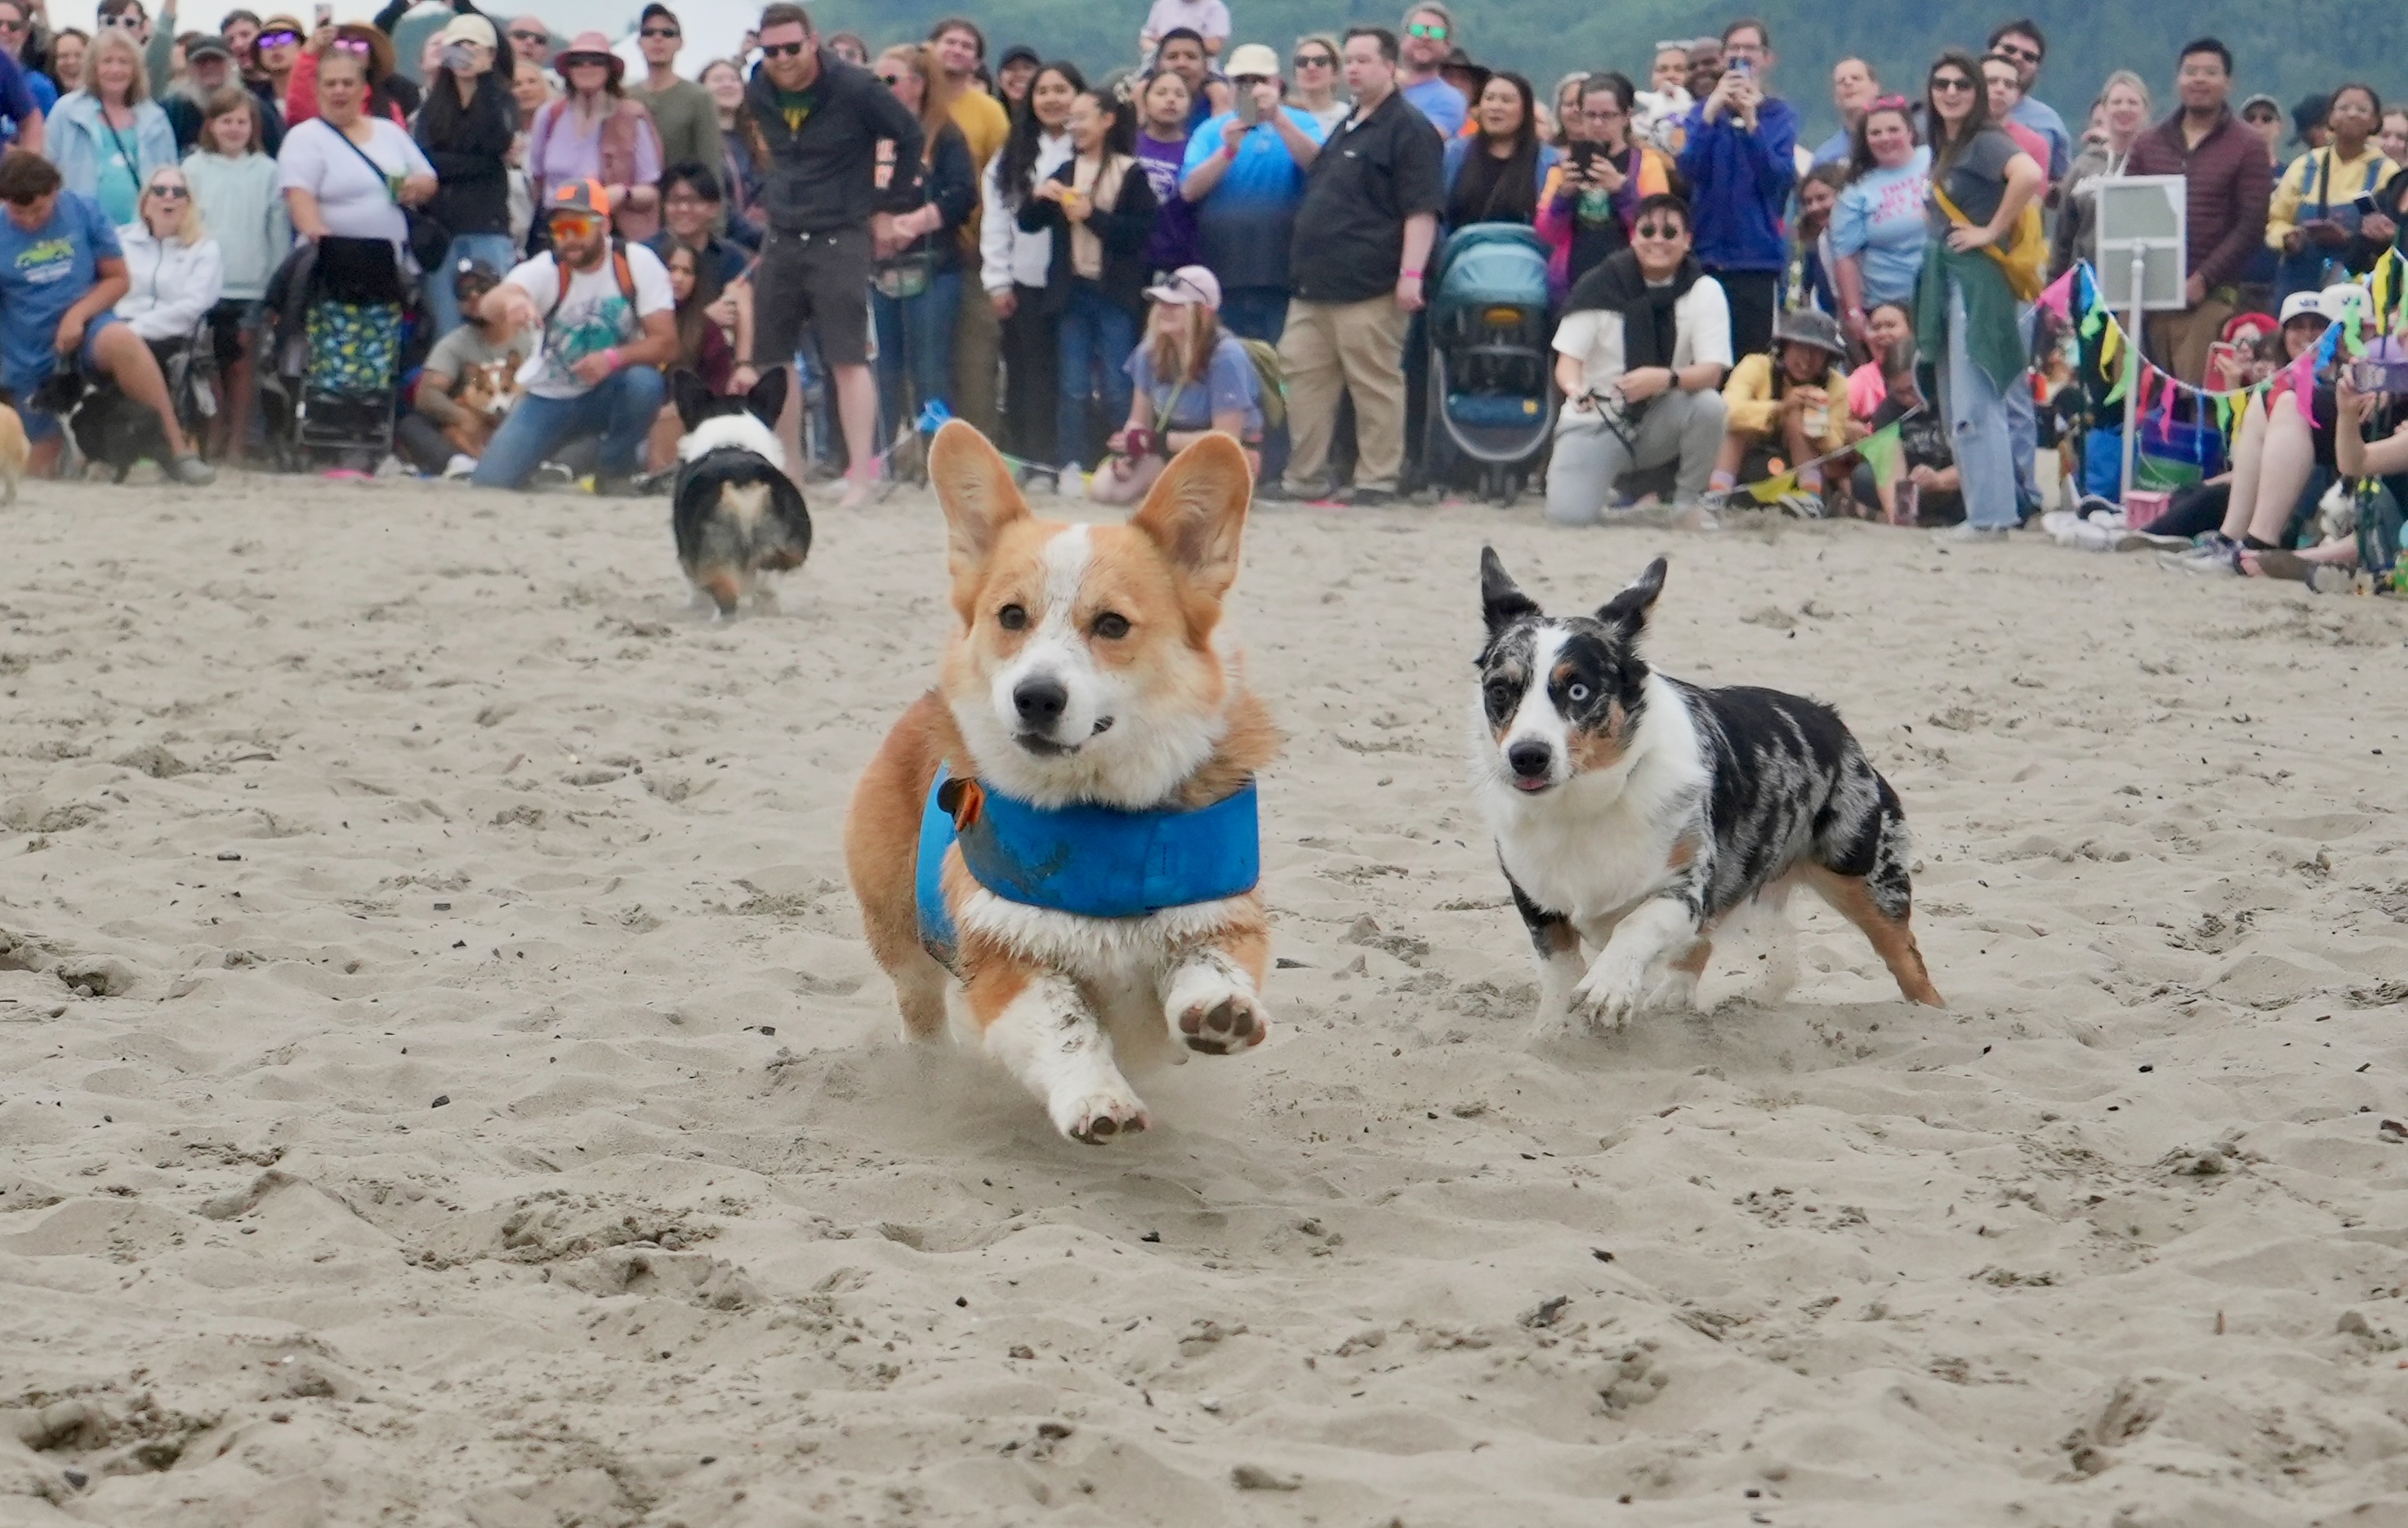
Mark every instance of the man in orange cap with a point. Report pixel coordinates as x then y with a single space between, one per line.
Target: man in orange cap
607 326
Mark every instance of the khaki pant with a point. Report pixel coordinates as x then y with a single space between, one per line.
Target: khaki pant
1334 348
2179 341
977 347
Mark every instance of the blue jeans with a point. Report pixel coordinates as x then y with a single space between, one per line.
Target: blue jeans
2023 421
1978 430
915 340
1095 336
621 410
442 304
1255 312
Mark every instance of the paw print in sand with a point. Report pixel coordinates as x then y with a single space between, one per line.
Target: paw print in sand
1634 1380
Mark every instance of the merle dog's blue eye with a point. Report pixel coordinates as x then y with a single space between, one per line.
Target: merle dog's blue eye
1579 693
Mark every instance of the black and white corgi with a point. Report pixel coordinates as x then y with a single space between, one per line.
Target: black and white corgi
1634 814
739 520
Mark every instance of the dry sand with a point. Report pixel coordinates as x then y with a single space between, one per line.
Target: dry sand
479 1107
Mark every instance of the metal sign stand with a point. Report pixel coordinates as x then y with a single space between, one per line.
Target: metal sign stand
2141 220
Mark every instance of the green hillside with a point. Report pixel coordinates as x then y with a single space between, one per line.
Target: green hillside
2288 49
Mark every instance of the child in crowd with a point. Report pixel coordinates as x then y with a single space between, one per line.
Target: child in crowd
234 185
1921 486
1789 405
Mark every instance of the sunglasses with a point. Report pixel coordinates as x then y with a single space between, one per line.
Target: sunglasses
784 50
662 32
277 39
12 26
171 193
575 224
127 21
1659 230
1951 83
515 36
585 61
1601 114
1426 31
1313 61
353 45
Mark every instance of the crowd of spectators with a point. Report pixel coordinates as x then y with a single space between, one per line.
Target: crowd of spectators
510 235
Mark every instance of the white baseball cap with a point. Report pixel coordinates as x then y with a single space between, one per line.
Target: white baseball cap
2303 305
1188 284
1254 58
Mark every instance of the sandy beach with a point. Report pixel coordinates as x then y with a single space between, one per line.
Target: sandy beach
441 1080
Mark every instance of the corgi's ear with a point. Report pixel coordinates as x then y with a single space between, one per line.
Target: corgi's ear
979 499
1195 513
1628 609
1501 600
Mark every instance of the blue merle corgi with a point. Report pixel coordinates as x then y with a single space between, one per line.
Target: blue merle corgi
1634 814
739 518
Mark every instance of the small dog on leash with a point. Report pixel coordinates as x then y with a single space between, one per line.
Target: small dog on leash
1066 824
487 393
107 426
739 520
1634 813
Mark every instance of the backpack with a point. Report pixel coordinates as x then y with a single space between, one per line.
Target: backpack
1273 381
619 267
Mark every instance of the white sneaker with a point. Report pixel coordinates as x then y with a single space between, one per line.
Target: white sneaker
461 464
1071 482
1965 533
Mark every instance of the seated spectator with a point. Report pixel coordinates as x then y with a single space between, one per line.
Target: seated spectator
1496 172
1884 327
235 190
2313 216
1790 406
702 348
174 271
473 369
1162 113
1189 377
466 127
62 271
1877 231
1585 208
602 341
595 133
1922 487
107 139
1099 208
374 52
1245 180
1640 357
208 68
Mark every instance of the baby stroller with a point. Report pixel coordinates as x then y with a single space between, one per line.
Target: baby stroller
333 391
1492 390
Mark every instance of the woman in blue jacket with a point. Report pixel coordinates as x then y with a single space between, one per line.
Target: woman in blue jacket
108 137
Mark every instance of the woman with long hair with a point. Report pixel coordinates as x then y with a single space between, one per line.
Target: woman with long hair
2121 113
466 126
108 137
1188 375
1585 208
916 286
373 50
598 132
173 269
1966 318
234 185
1877 224
1496 173
739 177
1015 263
1099 209
703 348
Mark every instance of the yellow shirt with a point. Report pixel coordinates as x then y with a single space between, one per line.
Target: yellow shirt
983 123
1751 409
2322 177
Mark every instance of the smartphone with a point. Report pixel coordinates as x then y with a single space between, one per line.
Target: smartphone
1744 69
1583 155
1250 111
2379 376
326 13
2365 205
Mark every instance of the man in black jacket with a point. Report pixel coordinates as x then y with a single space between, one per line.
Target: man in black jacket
819 121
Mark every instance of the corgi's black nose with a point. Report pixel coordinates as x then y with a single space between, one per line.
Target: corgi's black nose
1039 701
1531 761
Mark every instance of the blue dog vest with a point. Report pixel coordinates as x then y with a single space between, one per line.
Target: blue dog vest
1097 861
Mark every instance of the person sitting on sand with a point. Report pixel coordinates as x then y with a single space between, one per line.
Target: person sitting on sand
439 436
62 271
1789 405
1922 487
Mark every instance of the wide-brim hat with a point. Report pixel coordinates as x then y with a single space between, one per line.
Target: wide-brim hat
1806 326
592 45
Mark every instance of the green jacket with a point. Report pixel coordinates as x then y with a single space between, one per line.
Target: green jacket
1991 336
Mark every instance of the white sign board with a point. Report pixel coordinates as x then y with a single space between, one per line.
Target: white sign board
2141 216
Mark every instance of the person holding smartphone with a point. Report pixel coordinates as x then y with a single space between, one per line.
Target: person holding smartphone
1244 174
2327 194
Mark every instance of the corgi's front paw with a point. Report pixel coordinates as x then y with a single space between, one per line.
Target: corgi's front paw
1098 1117
1214 1010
